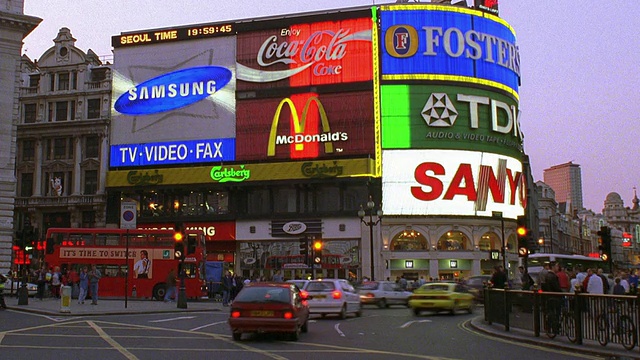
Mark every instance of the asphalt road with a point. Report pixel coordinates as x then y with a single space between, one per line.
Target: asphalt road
379 334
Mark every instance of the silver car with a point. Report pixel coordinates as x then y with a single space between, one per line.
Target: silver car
32 289
333 296
383 294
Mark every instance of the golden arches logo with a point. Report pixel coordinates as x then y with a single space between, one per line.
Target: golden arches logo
299 124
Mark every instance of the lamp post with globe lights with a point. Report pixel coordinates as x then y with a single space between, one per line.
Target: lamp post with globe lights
370 211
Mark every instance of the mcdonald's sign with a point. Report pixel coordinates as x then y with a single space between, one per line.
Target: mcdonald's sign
305 126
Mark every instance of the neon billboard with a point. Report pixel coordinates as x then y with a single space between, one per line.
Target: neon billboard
450 117
432 42
452 182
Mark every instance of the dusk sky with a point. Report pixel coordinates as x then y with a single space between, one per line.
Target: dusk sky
579 98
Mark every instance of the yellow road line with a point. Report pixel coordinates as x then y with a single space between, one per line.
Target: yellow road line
112 342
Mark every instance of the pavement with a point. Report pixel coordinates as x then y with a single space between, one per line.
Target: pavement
53 307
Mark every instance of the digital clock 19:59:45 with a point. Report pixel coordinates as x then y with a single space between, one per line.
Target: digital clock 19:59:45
209 30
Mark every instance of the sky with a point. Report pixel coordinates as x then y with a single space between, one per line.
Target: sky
579 98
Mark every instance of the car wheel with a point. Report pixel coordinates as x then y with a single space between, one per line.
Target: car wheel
159 291
305 326
343 312
359 312
416 311
382 303
294 336
454 308
237 336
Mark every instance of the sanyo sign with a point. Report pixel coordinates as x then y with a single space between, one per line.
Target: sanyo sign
452 182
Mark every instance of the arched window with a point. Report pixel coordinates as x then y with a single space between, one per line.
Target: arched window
512 244
490 241
454 240
409 240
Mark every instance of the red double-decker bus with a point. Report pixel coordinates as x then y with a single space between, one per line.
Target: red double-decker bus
151 257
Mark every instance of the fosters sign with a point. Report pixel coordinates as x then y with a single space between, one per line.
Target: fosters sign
448 43
449 117
451 182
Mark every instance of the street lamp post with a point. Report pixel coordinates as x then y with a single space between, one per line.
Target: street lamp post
361 214
497 214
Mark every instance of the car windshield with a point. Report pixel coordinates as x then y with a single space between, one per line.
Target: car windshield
263 294
436 287
369 286
320 286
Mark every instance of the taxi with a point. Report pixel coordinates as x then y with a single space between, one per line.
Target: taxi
441 296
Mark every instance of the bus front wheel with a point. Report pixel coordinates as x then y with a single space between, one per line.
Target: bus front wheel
159 291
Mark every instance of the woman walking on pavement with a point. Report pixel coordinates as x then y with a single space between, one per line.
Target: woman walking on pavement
84 285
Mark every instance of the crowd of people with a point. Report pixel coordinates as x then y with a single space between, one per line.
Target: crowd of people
555 277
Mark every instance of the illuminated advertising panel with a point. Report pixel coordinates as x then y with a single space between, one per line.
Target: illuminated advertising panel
327 52
221 174
305 126
174 102
449 117
213 231
432 42
452 182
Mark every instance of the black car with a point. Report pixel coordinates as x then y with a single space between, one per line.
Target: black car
476 285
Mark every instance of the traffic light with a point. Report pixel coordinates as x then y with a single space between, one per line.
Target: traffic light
317 251
178 241
304 249
523 237
604 243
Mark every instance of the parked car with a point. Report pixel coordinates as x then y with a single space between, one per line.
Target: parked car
333 296
383 294
441 296
476 285
32 289
269 308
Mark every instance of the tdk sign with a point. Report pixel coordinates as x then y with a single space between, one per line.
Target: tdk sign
173 90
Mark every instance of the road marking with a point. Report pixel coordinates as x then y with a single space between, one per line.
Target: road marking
204 326
112 342
172 319
408 323
337 327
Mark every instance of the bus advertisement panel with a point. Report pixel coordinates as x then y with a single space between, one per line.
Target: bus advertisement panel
150 256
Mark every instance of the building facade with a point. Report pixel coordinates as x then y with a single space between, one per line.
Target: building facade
62 139
14 27
566 181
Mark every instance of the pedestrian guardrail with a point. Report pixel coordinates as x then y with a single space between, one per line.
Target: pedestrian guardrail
606 319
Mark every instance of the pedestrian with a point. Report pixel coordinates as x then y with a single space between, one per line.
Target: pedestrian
227 284
551 283
171 286
94 278
618 289
56 282
3 280
41 276
525 278
277 277
403 283
563 278
594 283
499 278
83 284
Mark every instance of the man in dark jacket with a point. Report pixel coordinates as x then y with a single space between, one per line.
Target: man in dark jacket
499 278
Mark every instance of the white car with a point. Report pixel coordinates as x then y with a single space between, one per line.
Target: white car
383 294
31 288
333 296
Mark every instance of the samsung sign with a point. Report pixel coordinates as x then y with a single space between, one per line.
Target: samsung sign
174 152
452 182
451 44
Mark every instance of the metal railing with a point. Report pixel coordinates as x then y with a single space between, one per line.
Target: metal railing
606 319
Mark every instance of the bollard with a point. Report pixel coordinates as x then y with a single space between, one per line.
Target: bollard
65 299
134 292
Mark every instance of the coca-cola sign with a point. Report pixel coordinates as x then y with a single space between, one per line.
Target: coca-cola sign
306 54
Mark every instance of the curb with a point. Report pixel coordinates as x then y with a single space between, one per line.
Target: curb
106 313
607 353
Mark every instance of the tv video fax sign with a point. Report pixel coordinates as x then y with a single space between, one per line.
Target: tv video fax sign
434 42
452 182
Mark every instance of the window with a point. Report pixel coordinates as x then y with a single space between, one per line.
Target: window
93 109
59 148
34 81
28 150
258 201
91 147
329 199
88 219
63 81
285 200
30 113
61 111
26 184
90 182
74 80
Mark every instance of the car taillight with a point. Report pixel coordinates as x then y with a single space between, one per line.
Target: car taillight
304 295
288 315
370 295
336 294
235 314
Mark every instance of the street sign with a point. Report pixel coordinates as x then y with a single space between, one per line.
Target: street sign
128 215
